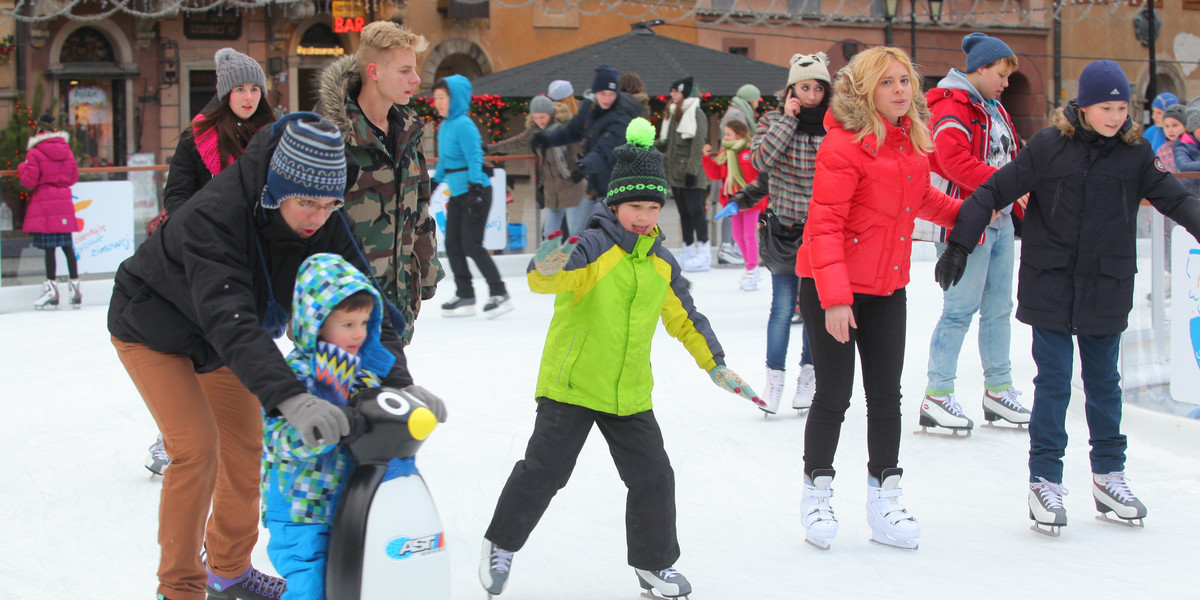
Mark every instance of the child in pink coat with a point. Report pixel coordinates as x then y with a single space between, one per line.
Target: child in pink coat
49 169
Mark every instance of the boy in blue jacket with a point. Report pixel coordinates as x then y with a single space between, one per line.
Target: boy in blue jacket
612 285
460 166
336 319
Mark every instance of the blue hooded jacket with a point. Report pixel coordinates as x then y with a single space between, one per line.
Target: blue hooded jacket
460 151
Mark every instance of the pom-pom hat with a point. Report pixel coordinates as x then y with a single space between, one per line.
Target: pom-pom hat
310 160
234 69
638 173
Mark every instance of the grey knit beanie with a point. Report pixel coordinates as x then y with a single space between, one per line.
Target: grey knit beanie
541 105
234 69
1193 115
1178 112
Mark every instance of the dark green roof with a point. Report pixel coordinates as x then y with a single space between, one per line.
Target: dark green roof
659 60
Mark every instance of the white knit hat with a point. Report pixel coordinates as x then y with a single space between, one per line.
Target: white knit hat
809 66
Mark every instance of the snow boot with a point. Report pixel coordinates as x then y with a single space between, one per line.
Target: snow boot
251 585
944 411
494 568
891 525
820 525
665 583
806 386
1004 406
1046 507
49 297
1113 496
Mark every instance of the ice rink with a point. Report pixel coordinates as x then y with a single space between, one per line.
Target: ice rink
80 514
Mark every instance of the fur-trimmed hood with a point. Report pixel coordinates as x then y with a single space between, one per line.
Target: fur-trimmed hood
1068 123
49 135
854 114
340 82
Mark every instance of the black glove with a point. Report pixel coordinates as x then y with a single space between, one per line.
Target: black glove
539 141
578 172
358 424
476 200
950 266
689 181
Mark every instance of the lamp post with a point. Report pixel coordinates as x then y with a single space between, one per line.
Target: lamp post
889 14
912 30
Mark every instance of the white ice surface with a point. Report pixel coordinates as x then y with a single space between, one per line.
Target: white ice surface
79 515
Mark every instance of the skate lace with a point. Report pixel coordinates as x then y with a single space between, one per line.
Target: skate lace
953 407
1009 398
1116 484
261 583
1050 493
159 452
501 560
807 377
667 573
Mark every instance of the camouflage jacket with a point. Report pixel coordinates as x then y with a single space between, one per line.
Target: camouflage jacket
389 200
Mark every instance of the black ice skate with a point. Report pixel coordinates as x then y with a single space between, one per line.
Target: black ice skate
458 307
1005 407
944 412
1046 507
1115 501
666 583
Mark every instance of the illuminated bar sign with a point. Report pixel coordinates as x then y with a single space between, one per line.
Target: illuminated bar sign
348 16
213 25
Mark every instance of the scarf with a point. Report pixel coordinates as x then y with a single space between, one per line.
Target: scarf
557 154
735 180
812 120
687 123
744 106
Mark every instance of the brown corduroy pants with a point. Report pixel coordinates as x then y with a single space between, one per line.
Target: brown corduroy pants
212 429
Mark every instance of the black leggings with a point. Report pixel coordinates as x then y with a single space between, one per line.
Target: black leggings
466 220
690 202
52 265
879 339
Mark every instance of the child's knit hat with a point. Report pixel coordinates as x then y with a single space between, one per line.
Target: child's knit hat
234 69
1192 112
309 161
1178 112
1164 101
983 50
1102 81
638 173
45 122
684 86
808 66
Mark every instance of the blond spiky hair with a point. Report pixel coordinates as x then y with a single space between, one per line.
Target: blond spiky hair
380 37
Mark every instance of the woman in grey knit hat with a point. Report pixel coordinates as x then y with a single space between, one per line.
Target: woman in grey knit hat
216 137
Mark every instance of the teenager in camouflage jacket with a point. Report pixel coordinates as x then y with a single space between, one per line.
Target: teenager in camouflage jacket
390 186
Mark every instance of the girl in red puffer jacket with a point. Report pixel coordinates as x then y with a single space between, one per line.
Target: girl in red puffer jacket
49 169
871 182
731 166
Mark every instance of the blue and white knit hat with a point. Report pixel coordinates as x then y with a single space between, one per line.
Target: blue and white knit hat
309 161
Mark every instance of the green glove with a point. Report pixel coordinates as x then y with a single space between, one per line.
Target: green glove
729 381
553 254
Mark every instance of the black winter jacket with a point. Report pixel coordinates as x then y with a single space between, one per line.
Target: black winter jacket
198 287
1078 252
188 174
601 131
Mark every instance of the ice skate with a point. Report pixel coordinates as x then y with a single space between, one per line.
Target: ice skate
74 294
749 281
494 568
891 525
701 259
806 386
774 391
666 583
944 412
820 525
497 305
251 585
458 307
1005 407
729 255
49 297
1115 501
1046 507
157 461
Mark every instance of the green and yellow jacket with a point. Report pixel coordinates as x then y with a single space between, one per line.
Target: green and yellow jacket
389 199
609 298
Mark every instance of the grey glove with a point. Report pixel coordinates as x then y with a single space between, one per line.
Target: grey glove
319 422
434 403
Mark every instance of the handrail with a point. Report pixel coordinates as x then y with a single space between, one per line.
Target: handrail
83 170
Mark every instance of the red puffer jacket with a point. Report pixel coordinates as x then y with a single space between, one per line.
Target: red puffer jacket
858 238
49 170
718 173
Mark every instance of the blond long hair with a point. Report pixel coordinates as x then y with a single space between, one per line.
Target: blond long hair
854 96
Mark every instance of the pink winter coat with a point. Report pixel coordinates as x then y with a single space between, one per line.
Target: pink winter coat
49 169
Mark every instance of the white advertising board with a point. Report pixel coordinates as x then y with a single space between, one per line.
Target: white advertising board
495 235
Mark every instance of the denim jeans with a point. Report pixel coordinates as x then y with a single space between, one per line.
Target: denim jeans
986 288
784 289
1053 353
552 220
577 216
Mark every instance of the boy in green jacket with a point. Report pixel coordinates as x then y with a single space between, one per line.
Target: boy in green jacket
612 284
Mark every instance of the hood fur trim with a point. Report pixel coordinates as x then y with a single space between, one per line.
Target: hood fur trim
1131 136
41 137
854 114
338 81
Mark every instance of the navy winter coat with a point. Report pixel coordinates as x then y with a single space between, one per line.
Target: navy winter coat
601 131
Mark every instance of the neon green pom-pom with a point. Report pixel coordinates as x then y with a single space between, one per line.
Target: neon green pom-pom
640 133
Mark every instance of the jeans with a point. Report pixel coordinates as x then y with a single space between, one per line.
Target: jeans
636 445
784 289
692 222
986 287
553 221
880 341
577 216
1053 352
465 223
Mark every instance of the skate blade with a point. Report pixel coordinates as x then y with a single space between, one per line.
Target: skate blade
1008 425
1047 529
1134 522
656 596
817 544
896 544
800 412
953 432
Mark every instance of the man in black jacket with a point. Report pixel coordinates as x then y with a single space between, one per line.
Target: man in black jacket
192 316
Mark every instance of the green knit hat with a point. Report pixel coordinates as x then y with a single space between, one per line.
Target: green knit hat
638 174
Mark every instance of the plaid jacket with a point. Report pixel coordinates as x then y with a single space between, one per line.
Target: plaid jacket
790 157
